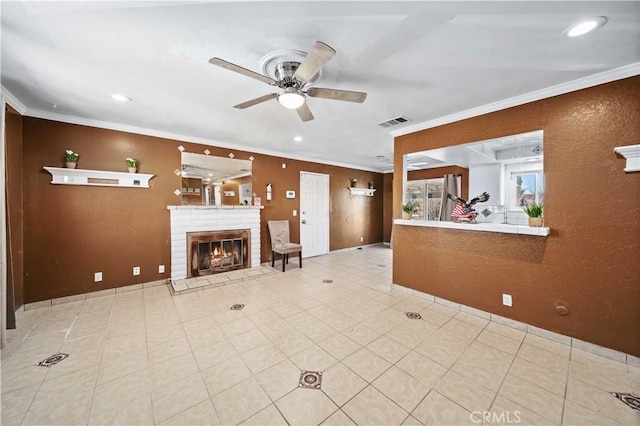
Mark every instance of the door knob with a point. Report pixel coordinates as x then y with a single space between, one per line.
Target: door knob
304 222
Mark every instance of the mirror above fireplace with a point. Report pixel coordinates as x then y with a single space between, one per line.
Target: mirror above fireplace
212 180
210 168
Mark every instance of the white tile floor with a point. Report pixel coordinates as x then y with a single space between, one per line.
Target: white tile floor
146 357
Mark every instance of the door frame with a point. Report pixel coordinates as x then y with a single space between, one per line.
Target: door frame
328 208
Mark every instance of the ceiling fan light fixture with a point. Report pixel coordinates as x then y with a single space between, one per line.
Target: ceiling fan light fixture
291 98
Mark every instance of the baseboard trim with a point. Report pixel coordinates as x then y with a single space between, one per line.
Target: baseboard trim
355 248
91 295
572 342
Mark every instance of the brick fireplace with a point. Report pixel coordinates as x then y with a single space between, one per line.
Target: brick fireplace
207 219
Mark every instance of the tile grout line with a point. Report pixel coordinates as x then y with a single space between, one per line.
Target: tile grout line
95 382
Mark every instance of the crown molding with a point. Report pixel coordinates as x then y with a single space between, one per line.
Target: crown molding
582 83
560 89
48 115
13 101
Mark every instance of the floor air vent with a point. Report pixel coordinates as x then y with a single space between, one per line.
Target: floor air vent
394 122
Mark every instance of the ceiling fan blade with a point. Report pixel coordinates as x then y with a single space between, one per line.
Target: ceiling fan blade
237 68
305 113
256 101
314 61
338 95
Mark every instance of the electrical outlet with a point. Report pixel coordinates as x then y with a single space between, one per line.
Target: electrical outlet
97 277
507 300
361 239
284 165
295 213
161 269
136 270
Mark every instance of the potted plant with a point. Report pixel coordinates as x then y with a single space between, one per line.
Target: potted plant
534 211
71 159
407 210
132 164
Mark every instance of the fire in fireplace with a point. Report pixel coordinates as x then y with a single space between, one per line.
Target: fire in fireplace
217 251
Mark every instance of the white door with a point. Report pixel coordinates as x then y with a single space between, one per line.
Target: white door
314 214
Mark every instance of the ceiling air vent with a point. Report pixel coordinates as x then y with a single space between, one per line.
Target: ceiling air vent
394 122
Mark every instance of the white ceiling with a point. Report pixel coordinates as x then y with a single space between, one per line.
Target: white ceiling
422 60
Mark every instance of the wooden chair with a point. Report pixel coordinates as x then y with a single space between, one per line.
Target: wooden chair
281 243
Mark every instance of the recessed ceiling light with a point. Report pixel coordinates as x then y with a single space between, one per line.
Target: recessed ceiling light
210 174
298 138
586 26
120 97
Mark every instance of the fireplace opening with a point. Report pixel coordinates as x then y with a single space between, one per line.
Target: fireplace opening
217 251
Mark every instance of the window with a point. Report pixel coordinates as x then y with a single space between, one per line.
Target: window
524 184
426 197
434 198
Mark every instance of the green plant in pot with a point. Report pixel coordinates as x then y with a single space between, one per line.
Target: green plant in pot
534 211
132 164
407 210
71 158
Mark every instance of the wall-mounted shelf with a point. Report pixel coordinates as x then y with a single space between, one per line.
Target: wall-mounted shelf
61 176
632 154
362 191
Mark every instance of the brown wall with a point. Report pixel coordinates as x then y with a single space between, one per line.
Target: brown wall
70 232
350 216
13 147
590 260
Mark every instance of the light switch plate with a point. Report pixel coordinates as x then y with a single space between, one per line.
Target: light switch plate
97 277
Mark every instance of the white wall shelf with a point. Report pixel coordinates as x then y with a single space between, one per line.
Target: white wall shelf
62 176
632 154
362 191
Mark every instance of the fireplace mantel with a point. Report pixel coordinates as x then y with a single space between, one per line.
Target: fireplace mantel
205 207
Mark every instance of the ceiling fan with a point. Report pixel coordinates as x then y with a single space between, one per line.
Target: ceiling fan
292 77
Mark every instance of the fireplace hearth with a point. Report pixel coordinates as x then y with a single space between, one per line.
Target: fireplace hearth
212 252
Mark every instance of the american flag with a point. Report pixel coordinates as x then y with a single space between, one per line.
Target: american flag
458 211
